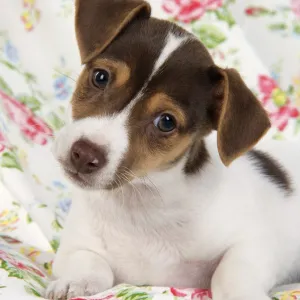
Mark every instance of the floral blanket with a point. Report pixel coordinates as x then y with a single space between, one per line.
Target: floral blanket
39 65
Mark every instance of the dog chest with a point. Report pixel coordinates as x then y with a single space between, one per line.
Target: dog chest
151 249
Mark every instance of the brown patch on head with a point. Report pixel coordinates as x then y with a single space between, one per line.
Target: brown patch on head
149 148
161 102
119 70
119 37
129 59
89 100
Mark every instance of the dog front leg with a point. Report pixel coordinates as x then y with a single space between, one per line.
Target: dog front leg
244 273
79 273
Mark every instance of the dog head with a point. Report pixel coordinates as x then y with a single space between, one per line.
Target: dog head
148 94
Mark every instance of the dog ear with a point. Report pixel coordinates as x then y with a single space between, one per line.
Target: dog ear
238 117
98 22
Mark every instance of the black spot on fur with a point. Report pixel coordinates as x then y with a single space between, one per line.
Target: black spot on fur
197 158
272 169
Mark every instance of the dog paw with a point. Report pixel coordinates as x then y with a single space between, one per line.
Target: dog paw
64 288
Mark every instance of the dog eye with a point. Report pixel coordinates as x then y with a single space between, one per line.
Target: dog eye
100 78
165 123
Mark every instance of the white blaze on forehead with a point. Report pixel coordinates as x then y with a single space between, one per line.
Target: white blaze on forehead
173 42
111 132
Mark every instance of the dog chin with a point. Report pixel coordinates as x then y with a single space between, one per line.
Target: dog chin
88 184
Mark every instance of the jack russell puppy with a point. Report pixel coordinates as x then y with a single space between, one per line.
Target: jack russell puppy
155 200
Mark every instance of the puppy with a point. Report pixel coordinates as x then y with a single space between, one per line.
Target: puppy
154 202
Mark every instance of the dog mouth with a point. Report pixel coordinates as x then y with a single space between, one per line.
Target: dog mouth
88 181
81 181
76 177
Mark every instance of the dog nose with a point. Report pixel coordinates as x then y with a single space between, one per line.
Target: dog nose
87 157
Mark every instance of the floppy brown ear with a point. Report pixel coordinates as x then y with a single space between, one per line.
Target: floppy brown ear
239 118
98 22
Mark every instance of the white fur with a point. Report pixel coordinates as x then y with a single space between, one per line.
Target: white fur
230 229
108 132
172 44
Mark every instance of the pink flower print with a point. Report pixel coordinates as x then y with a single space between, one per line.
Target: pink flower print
177 293
199 294
184 10
213 4
295 5
189 10
276 103
3 142
281 117
256 11
266 86
19 265
31 126
10 240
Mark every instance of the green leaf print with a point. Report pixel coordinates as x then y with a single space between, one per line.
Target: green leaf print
290 90
56 225
122 293
31 102
32 291
296 28
223 14
29 77
37 279
9 160
130 294
3 265
277 26
54 121
16 273
5 88
210 35
8 65
47 266
42 206
16 204
54 244
278 136
2 286
229 2
137 296
28 219
297 126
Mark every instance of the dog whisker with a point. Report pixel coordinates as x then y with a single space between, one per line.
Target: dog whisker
64 75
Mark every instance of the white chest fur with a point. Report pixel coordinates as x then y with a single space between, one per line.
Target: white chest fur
176 233
143 244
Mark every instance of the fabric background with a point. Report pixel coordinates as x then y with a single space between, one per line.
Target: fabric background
39 65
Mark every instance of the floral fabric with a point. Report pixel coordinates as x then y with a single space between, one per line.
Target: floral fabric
39 65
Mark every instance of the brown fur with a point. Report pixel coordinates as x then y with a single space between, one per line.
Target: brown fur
91 101
150 149
201 96
161 102
272 169
98 22
243 121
